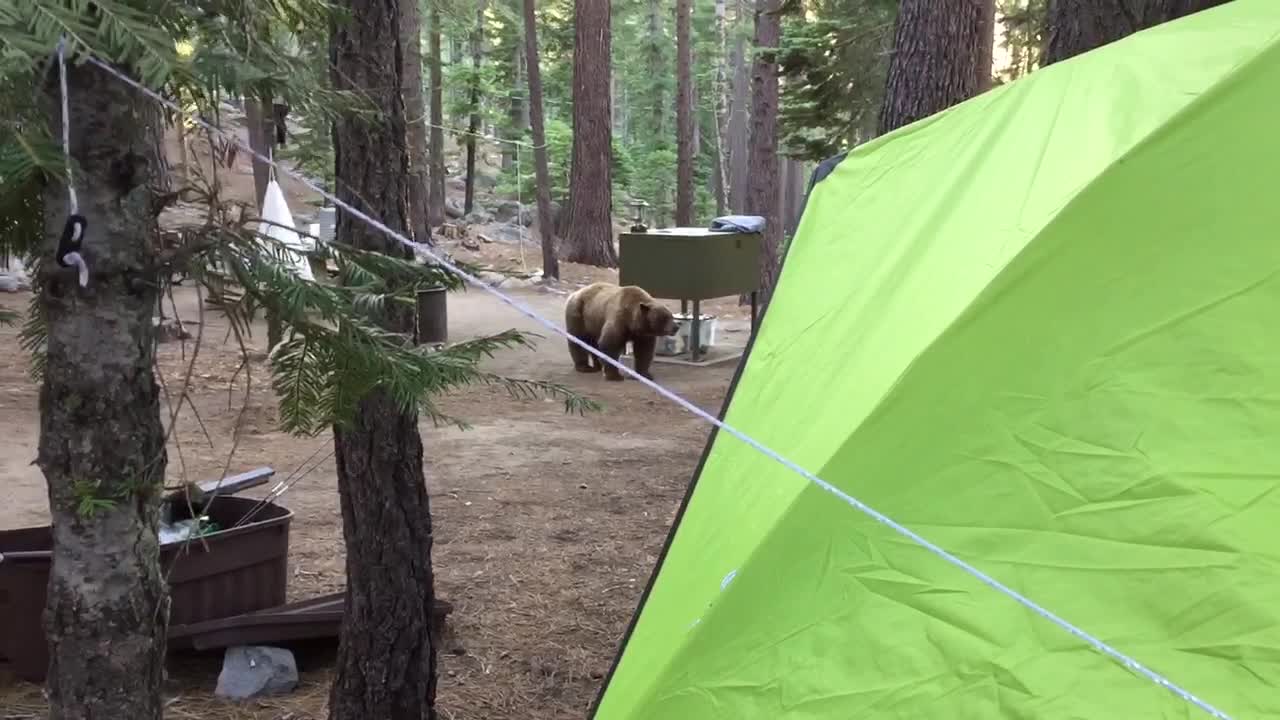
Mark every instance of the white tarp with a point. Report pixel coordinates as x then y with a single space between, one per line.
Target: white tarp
279 226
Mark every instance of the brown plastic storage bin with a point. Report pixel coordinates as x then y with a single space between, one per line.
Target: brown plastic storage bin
229 573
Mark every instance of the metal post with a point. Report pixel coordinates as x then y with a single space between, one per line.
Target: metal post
695 331
753 313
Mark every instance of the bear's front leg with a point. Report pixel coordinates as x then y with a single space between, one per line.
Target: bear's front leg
644 348
611 343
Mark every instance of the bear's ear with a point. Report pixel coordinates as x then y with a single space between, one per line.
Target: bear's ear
646 308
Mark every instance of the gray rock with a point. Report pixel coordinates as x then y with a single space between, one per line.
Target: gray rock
510 210
14 282
508 233
453 208
256 671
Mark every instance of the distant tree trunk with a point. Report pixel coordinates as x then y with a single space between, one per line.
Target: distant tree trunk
435 192
791 194
1078 26
655 45
546 226
386 666
737 126
473 127
719 170
516 108
987 36
262 140
184 169
162 173
936 48
102 444
684 115
590 226
416 108
762 187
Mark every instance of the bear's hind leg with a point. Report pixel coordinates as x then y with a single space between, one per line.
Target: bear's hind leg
583 361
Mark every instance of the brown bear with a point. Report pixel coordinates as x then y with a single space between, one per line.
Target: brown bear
606 317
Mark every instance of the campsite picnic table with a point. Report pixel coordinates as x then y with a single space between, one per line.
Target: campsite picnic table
691 265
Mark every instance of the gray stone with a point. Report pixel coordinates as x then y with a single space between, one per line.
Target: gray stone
512 212
256 671
479 216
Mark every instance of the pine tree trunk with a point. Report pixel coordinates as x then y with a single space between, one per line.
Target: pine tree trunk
656 43
590 227
162 181
102 444
738 125
719 172
684 115
1078 26
515 109
762 184
542 176
936 48
473 127
415 101
386 666
262 140
986 36
436 175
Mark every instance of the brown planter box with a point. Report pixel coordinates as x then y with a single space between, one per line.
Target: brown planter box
220 575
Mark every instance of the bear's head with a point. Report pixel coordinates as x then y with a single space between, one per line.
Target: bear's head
657 319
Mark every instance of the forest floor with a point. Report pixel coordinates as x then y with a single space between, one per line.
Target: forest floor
547 525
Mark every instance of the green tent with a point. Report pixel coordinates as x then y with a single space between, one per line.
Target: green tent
1041 329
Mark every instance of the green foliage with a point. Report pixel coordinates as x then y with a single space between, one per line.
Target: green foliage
1022 34
833 63
334 347
89 502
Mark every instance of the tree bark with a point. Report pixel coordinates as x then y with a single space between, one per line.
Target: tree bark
102 444
936 48
1078 26
684 115
590 226
436 175
542 176
415 101
386 666
473 127
762 183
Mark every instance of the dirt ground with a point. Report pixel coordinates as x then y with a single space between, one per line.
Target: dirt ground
547 525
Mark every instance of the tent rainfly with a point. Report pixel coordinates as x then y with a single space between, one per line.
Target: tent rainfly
1042 330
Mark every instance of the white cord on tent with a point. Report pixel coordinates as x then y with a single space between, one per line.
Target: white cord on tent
857 504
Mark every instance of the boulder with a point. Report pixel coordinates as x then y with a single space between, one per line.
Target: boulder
256 671
511 211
